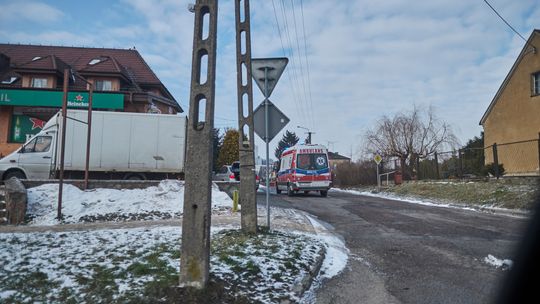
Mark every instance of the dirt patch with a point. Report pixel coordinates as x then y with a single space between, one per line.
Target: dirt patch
215 292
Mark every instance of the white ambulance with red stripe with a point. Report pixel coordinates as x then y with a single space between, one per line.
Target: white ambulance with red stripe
304 168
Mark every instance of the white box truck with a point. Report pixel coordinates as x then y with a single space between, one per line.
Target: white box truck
123 146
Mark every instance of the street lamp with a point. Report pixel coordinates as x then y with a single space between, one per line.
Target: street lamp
308 140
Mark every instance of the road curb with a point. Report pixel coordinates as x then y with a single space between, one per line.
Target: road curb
305 283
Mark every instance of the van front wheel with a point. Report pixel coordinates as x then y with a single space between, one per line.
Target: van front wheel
324 193
14 173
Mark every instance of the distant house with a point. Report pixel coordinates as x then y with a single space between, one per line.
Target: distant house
335 159
512 120
31 82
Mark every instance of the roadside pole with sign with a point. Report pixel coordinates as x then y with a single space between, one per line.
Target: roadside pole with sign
378 160
268 120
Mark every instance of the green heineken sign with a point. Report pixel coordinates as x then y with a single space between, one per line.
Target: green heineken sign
39 98
23 127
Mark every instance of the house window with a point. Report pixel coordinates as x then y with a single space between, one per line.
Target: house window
39 82
103 85
536 83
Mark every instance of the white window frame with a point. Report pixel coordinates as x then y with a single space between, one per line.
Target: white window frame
39 82
103 83
535 83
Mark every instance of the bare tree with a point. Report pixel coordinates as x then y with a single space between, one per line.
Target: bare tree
410 136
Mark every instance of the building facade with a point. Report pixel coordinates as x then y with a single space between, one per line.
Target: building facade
335 159
512 120
32 79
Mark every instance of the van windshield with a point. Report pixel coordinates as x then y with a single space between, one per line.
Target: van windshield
311 161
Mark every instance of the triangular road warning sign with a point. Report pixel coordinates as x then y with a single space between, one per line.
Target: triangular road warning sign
272 68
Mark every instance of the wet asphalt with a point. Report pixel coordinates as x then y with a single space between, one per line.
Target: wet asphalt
410 253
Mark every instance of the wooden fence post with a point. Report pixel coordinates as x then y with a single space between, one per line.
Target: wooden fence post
496 160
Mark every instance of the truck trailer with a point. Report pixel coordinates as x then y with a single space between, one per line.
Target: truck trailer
123 146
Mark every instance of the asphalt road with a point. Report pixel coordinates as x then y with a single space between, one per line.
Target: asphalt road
409 253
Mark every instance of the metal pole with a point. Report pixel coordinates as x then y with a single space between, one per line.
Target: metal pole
437 166
89 134
378 179
267 148
460 164
62 144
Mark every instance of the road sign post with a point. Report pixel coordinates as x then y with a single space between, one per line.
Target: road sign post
378 160
266 73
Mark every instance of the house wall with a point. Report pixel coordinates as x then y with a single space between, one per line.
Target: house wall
515 117
27 80
336 162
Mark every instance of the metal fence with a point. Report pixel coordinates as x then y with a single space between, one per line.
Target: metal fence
520 158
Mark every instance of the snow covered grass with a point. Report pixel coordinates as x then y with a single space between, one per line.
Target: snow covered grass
267 268
501 195
142 265
89 266
511 193
163 201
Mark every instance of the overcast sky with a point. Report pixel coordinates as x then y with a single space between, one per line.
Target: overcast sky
364 59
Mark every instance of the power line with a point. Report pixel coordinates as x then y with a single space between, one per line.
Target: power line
299 54
304 105
293 90
511 27
306 57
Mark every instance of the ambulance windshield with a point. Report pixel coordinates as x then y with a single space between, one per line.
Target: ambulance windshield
311 161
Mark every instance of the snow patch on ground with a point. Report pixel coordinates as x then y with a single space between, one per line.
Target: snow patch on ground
498 263
118 265
66 260
337 254
401 199
166 198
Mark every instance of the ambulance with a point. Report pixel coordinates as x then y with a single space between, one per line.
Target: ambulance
304 168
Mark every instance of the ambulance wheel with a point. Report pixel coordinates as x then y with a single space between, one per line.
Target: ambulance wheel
324 193
290 191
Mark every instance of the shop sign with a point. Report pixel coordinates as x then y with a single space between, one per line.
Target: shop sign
24 127
42 98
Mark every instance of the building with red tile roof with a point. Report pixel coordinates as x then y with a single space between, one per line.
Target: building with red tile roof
31 82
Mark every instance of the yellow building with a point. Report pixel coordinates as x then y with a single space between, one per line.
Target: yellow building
512 120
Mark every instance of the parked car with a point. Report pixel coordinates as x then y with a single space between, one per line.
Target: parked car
225 174
235 169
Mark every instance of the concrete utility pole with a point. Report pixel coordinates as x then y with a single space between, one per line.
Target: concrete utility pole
195 258
246 140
